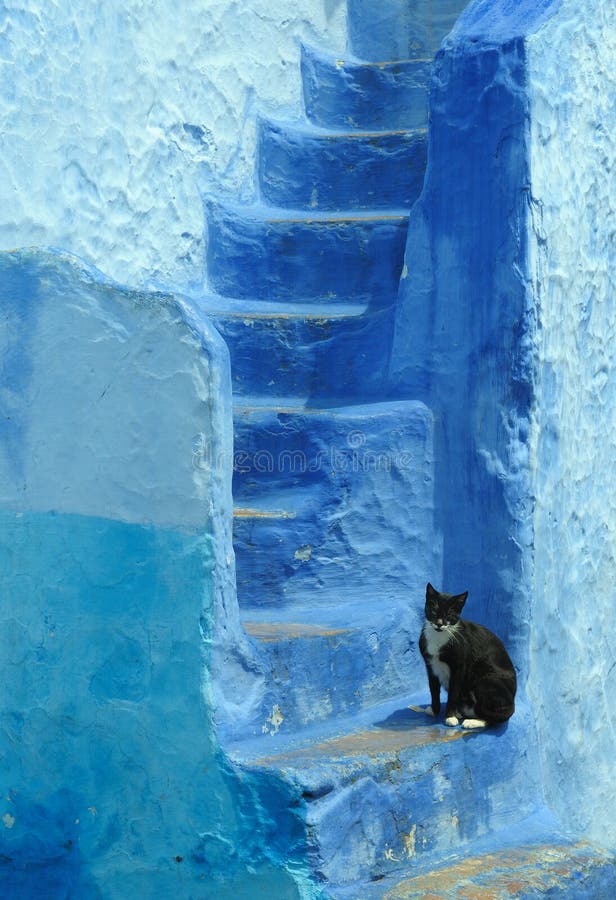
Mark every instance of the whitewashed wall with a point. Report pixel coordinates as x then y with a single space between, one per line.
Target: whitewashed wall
573 652
94 155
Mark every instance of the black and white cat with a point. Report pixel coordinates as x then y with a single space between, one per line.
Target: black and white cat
469 661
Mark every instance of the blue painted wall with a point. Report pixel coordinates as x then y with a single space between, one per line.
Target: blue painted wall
504 327
465 318
116 599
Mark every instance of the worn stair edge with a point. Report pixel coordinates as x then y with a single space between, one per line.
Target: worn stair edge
328 661
534 858
344 91
299 164
273 253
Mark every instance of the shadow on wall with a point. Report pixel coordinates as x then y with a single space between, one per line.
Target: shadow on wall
110 544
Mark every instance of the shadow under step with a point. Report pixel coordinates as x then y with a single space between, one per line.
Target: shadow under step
347 92
276 254
301 166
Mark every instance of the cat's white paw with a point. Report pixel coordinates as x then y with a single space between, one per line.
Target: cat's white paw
473 723
452 720
429 711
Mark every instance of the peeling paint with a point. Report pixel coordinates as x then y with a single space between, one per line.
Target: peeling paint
409 842
275 720
303 553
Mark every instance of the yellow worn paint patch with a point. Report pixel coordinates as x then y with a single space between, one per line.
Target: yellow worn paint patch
381 64
303 553
340 220
268 632
409 842
240 513
503 874
374 742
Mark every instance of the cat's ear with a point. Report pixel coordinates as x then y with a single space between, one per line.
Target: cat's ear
430 592
460 600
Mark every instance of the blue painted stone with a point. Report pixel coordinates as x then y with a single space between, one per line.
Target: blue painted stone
273 254
347 92
300 166
400 29
317 352
343 509
400 789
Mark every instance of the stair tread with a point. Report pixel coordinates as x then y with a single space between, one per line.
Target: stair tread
225 306
530 858
382 730
293 620
311 130
269 214
296 405
350 59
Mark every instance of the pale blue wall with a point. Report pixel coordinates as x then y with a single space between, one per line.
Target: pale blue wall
111 113
573 659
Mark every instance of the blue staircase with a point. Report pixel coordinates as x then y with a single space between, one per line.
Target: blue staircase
333 488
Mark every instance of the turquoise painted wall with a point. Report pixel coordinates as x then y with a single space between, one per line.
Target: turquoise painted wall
116 599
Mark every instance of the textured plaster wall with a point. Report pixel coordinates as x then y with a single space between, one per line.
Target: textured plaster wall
110 113
573 659
117 601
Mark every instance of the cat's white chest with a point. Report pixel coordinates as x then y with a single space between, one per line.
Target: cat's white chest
435 640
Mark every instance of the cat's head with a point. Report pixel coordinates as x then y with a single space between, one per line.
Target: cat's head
443 611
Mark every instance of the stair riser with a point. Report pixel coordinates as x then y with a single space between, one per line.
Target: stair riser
280 449
342 260
368 493
342 358
420 807
273 568
400 29
299 170
325 677
341 94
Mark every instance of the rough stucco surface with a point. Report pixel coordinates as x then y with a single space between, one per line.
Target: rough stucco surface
573 661
108 112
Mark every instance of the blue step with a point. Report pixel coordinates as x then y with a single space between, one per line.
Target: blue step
399 29
347 92
327 662
301 166
326 352
326 498
395 788
521 863
270 253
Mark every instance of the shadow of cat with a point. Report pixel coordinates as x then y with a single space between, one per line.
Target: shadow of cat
416 717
